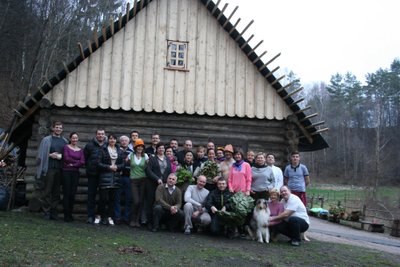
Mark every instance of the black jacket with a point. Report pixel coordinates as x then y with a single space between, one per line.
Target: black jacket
126 170
92 153
108 178
153 170
215 199
150 151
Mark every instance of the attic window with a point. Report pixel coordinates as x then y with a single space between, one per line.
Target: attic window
177 55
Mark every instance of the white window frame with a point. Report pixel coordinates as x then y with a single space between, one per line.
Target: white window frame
177 54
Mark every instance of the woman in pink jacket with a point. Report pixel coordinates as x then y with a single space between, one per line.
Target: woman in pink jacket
239 178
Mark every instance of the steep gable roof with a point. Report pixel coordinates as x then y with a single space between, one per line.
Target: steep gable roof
311 139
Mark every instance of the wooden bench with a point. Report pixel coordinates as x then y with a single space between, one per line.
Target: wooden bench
372 226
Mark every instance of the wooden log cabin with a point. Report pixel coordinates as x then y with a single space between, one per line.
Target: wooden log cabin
180 68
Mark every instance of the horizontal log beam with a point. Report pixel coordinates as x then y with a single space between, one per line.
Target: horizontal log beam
292 93
277 80
302 110
315 124
284 87
309 117
296 102
320 131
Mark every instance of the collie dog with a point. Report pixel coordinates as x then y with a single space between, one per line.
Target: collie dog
261 214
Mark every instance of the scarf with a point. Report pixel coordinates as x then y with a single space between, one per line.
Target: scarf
238 165
113 154
259 166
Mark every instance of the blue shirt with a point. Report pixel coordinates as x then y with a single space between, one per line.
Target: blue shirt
295 175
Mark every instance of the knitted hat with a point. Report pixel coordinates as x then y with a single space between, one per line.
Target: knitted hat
229 148
138 142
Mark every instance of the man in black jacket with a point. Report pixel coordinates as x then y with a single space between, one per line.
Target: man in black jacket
151 151
92 152
217 200
188 146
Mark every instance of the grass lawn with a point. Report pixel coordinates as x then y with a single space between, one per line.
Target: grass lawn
332 194
28 240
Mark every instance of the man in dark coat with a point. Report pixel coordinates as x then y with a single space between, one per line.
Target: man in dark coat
217 200
92 153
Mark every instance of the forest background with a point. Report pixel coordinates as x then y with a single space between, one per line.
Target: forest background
37 36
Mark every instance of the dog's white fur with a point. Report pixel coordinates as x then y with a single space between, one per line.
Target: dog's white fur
261 214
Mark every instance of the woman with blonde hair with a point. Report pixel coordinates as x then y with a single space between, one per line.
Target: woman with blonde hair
276 208
263 178
110 165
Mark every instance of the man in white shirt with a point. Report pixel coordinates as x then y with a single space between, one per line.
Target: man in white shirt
195 198
276 171
295 217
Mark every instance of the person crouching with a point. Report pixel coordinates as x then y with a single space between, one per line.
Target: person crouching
167 205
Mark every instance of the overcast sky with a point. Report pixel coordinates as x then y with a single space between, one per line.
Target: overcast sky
318 38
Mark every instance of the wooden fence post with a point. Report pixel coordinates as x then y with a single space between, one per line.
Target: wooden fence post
364 209
312 201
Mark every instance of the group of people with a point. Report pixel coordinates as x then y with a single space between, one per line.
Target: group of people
146 179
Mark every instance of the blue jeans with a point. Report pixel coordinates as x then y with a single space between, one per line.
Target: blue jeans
125 188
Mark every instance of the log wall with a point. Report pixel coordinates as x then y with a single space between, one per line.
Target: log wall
259 135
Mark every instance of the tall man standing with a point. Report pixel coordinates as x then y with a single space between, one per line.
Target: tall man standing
134 136
152 150
92 153
181 154
296 177
49 169
173 143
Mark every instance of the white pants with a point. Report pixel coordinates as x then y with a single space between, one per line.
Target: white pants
204 218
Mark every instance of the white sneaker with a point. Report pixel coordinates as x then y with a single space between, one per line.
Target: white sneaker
97 220
110 221
187 230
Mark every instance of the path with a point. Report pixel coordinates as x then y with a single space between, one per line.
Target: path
332 232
